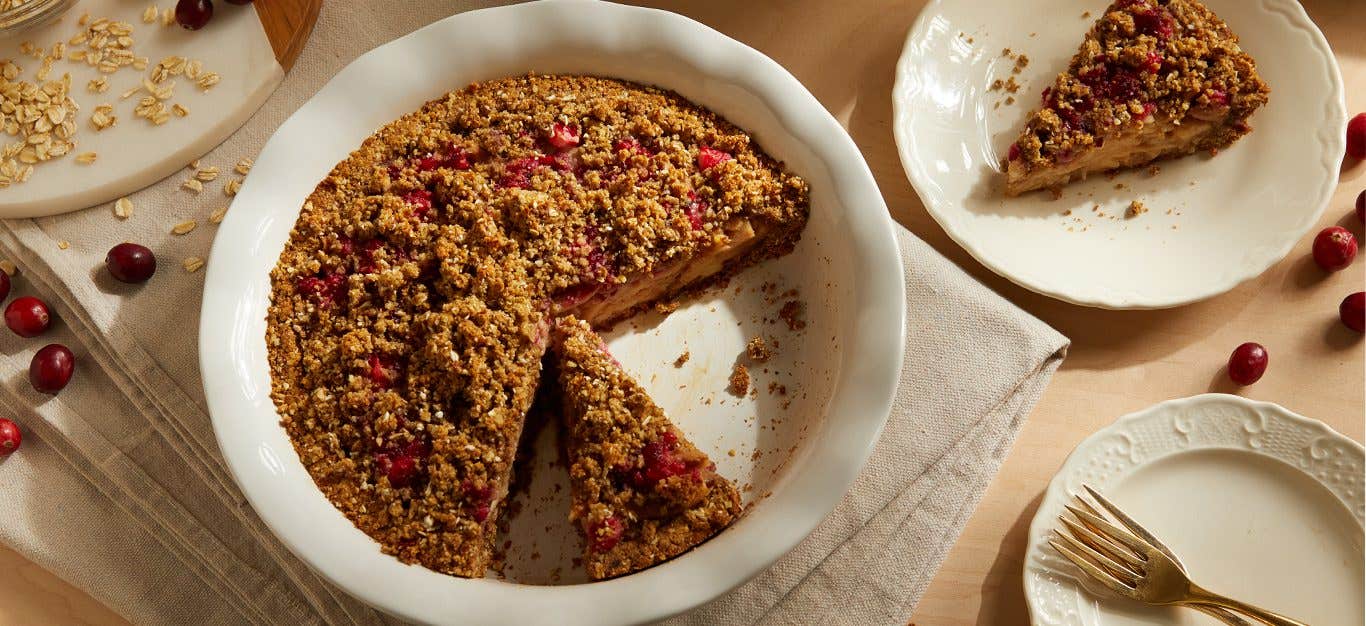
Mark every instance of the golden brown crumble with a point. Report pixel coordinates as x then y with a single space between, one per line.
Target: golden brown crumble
1144 62
758 350
641 493
739 380
410 308
1136 208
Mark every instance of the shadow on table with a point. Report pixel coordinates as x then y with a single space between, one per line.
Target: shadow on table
1003 587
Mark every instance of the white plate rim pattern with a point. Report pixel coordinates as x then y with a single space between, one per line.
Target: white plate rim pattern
813 490
1306 444
1331 135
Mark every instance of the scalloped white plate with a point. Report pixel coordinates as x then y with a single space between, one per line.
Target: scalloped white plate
800 459
1259 503
1212 222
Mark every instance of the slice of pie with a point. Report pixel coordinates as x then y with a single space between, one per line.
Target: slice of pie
641 493
1154 79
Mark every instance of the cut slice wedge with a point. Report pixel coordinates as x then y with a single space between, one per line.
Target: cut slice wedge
641 493
1154 79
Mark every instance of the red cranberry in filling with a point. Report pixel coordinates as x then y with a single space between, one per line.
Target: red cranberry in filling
659 461
324 289
401 472
605 534
709 157
571 297
1153 21
563 136
421 201
480 498
369 256
1153 62
1047 96
696 210
417 448
517 174
1014 153
383 370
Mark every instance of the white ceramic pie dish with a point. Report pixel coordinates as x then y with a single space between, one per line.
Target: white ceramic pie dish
1254 499
842 369
1212 222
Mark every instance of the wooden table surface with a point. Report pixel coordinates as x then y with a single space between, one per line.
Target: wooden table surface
1119 362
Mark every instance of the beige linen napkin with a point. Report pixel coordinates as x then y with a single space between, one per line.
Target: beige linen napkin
120 489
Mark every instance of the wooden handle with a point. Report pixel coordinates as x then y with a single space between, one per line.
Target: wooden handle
287 24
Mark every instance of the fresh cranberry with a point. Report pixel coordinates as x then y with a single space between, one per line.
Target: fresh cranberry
131 263
1361 213
193 14
27 316
1334 248
1353 311
563 136
1014 153
1356 137
605 534
401 471
325 289
709 157
51 368
5 282
10 437
1247 363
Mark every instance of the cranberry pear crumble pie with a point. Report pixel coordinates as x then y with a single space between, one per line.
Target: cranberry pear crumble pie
1154 79
641 492
413 302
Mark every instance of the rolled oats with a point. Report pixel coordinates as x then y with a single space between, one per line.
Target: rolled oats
86 158
184 227
217 216
243 166
192 264
193 184
123 208
232 187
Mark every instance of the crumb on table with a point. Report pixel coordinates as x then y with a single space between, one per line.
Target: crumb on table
758 350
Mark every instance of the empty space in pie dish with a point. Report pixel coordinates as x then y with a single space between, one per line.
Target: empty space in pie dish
1249 527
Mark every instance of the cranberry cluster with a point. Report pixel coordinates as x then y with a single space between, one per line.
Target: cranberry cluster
1334 249
27 316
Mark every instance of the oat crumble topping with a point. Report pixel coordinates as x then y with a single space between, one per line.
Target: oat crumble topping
412 305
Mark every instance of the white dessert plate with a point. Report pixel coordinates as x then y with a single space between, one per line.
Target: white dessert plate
134 153
1211 224
796 454
1259 503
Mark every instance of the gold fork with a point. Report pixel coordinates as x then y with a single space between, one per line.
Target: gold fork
1137 569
